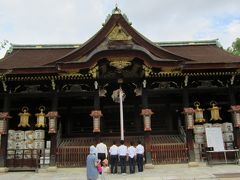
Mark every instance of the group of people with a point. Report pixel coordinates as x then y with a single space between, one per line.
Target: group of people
118 154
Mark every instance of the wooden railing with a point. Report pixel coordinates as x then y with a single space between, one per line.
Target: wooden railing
88 141
73 152
72 156
169 153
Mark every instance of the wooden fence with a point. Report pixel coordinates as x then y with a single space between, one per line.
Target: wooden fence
72 156
169 153
72 152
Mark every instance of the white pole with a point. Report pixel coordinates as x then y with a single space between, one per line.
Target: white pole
121 113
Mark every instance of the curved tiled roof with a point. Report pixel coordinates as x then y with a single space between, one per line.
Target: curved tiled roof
204 53
29 57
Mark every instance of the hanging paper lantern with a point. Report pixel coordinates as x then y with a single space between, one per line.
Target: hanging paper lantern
24 117
147 113
214 111
235 110
52 118
3 122
96 115
41 120
189 113
198 113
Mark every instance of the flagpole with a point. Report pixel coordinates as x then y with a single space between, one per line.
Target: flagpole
121 113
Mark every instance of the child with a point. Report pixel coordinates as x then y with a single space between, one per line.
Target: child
99 167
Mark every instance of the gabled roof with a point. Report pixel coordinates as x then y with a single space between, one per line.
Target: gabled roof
108 42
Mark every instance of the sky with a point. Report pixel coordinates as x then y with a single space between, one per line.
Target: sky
75 21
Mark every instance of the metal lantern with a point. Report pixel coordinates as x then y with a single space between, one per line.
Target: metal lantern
41 120
189 117
96 115
198 113
235 110
24 117
52 118
147 113
3 122
214 111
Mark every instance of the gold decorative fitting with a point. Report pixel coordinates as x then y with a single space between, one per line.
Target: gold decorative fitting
120 64
118 34
170 69
198 113
93 71
214 111
147 70
24 117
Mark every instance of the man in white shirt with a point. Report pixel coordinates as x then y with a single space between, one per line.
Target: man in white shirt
131 157
113 151
101 151
140 154
122 154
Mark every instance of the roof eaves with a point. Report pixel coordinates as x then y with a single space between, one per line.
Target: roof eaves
189 43
45 46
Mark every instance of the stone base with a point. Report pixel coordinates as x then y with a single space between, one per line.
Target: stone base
52 169
193 164
148 166
3 169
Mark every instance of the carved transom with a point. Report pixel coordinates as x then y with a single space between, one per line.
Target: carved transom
120 62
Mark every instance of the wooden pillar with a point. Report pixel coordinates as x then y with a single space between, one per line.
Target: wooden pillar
147 134
4 137
53 136
236 131
189 132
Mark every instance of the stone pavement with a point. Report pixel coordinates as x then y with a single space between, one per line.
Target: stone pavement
160 172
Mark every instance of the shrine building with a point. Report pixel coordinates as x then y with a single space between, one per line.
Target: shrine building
57 100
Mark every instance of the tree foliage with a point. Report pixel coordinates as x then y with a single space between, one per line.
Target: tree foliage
235 48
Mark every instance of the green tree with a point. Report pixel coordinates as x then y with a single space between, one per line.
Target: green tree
235 48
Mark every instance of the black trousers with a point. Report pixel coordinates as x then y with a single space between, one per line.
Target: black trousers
101 156
113 163
140 162
132 165
123 164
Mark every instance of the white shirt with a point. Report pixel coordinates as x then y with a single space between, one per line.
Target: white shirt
102 148
122 150
140 149
113 150
131 151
